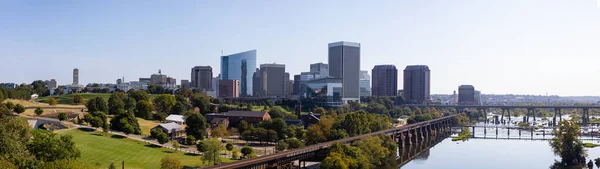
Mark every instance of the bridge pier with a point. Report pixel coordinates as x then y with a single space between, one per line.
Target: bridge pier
502 117
533 113
585 117
554 119
508 110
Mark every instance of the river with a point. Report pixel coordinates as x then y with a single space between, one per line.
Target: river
492 154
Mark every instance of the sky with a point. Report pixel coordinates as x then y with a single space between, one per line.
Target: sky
498 46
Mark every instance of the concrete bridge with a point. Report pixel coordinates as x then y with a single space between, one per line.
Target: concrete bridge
405 136
530 110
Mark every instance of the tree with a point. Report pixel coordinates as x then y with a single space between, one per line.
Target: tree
281 146
38 111
14 136
61 116
220 131
130 104
164 102
162 137
247 150
176 145
9 105
200 146
202 102
97 104
144 109
243 126
190 140
334 161
196 125
139 95
212 147
52 101
77 99
47 146
319 110
294 143
229 146
115 104
277 125
169 162
19 109
277 112
567 145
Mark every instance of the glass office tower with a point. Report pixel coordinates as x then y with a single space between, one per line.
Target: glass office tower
240 66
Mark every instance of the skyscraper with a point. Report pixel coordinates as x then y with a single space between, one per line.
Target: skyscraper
416 84
240 66
344 63
365 83
202 78
272 80
466 95
385 80
75 76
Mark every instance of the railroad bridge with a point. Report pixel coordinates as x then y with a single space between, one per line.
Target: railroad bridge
585 118
406 137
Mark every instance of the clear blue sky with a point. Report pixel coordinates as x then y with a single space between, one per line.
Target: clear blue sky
499 46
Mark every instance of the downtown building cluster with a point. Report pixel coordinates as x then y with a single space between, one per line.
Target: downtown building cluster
335 83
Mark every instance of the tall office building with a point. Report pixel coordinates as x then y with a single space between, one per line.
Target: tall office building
215 84
416 84
385 80
202 77
365 84
320 68
466 95
297 84
271 81
75 76
240 66
344 63
229 88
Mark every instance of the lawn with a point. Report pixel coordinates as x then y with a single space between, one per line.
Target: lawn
68 98
48 110
146 125
99 149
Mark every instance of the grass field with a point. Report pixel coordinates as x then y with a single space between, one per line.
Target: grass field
48 110
146 125
68 98
99 149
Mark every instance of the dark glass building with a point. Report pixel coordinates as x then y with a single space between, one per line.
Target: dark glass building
202 77
416 84
384 80
466 95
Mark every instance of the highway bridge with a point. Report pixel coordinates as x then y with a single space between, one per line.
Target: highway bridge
407 134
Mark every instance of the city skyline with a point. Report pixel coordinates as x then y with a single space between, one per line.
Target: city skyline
526 54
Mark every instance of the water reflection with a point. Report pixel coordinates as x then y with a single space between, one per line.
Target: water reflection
488 154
